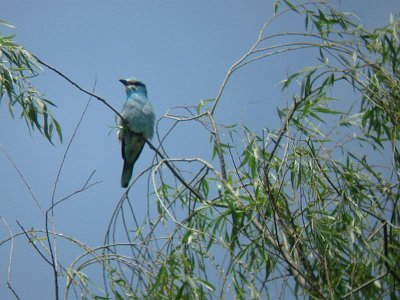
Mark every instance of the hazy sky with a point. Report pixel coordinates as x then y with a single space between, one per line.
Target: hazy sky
180 49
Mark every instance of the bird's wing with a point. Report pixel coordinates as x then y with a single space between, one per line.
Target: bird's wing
132 145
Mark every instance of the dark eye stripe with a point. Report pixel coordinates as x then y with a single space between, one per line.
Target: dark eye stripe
138 83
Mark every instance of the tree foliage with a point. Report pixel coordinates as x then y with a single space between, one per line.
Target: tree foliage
304 209
17 67
304 206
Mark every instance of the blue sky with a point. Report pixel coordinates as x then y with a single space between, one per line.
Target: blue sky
181 49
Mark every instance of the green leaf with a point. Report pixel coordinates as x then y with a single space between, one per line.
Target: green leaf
118 296
58 129
352 120
327 111
16 71
276 6
291 6
4 23
180 291
208 285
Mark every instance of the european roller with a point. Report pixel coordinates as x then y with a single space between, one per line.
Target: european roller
139 116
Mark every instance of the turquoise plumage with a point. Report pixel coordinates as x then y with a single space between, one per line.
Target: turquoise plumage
139 115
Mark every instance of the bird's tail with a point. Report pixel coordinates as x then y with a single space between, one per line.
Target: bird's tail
126 174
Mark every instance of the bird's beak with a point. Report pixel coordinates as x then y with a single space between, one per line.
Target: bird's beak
123 81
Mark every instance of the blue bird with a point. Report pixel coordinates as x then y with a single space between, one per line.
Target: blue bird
139 116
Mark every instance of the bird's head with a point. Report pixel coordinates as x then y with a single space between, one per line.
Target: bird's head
134 86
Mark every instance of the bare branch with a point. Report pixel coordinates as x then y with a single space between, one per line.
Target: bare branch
104 101
9 286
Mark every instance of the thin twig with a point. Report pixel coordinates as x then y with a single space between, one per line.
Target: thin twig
9 286
23 178
34 245
176 174
364 285
218 145
104 101
53 247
